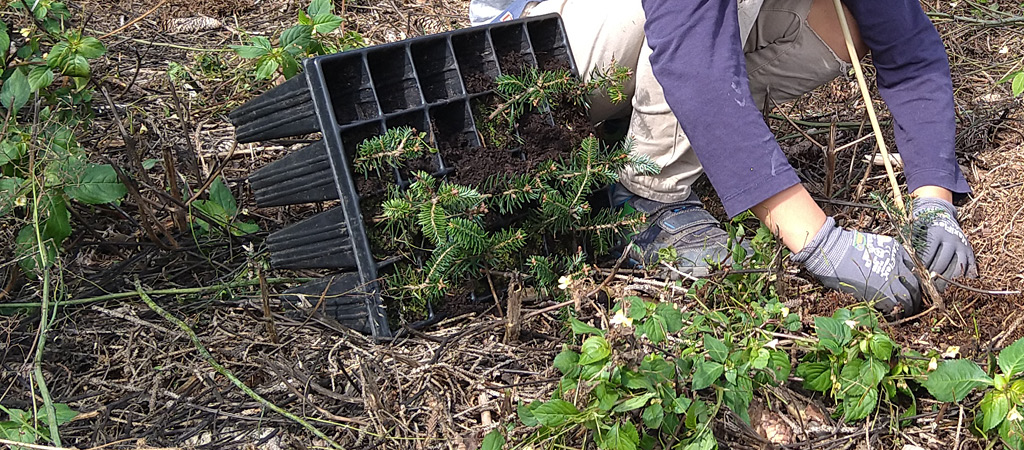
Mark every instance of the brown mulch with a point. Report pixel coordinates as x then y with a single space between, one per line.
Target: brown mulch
138 382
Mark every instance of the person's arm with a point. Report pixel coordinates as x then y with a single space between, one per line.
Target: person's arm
914 80
698 59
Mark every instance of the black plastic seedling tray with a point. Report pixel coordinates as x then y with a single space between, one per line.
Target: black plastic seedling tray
428 83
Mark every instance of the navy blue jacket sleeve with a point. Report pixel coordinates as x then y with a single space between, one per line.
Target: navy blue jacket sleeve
698 59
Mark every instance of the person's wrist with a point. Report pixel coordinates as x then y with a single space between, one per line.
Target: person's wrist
933 192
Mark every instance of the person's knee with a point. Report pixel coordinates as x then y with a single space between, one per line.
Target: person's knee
822 18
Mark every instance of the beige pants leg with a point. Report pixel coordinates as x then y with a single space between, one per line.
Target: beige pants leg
784 57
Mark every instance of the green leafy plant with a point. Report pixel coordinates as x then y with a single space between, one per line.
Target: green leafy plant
1016 80
22 427
42 167
856 363
222 209
1000 414
314 34
659 376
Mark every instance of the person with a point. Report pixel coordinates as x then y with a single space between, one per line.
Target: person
704 71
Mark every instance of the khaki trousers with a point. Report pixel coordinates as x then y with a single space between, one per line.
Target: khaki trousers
783 54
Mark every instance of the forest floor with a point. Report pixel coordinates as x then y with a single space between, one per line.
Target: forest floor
137 382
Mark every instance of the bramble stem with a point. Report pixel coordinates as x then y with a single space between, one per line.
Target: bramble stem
227 373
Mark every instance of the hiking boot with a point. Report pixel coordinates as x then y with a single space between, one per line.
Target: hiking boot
699 241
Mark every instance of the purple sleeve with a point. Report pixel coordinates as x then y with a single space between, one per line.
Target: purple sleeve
914 80
698 58
697 54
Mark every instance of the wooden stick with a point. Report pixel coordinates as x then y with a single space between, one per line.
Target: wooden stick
866 95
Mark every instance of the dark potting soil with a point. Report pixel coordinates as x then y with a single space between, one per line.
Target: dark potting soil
477 82
512 63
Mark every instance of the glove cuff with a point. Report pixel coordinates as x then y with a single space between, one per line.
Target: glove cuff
818 253
924 204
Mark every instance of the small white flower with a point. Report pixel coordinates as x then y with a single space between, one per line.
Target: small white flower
564 281
620 319
851 324
20 201
25 32
785 311
933 364
772 344
951 352
1014 416
1004 50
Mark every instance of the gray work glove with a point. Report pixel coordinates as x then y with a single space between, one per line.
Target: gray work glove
872 268
939 241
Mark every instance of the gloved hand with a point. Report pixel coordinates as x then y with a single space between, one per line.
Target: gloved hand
939 241
871 267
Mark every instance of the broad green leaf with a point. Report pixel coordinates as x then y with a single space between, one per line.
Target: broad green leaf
221 195
780 365
681 404
1018 84
881 346
872 372
594 349
716 349
634 402
317 7
817 375
493 441
653 328
953 380
90 47
833 329
637 308
760 359
619 437
525 412
703 441
555 412
653 416
1011 359
16 91
262 42
212 210
581 328
63 413
58 221
607 396
707 372
1012 434
239 228
40 77
738 396
567 361
849 378
994 407
5 40
248 51
671 315
27 251
326 23
861 405
75 66
266 67
297 36
17 433
99 185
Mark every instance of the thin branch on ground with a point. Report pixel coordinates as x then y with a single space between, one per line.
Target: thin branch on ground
227 373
